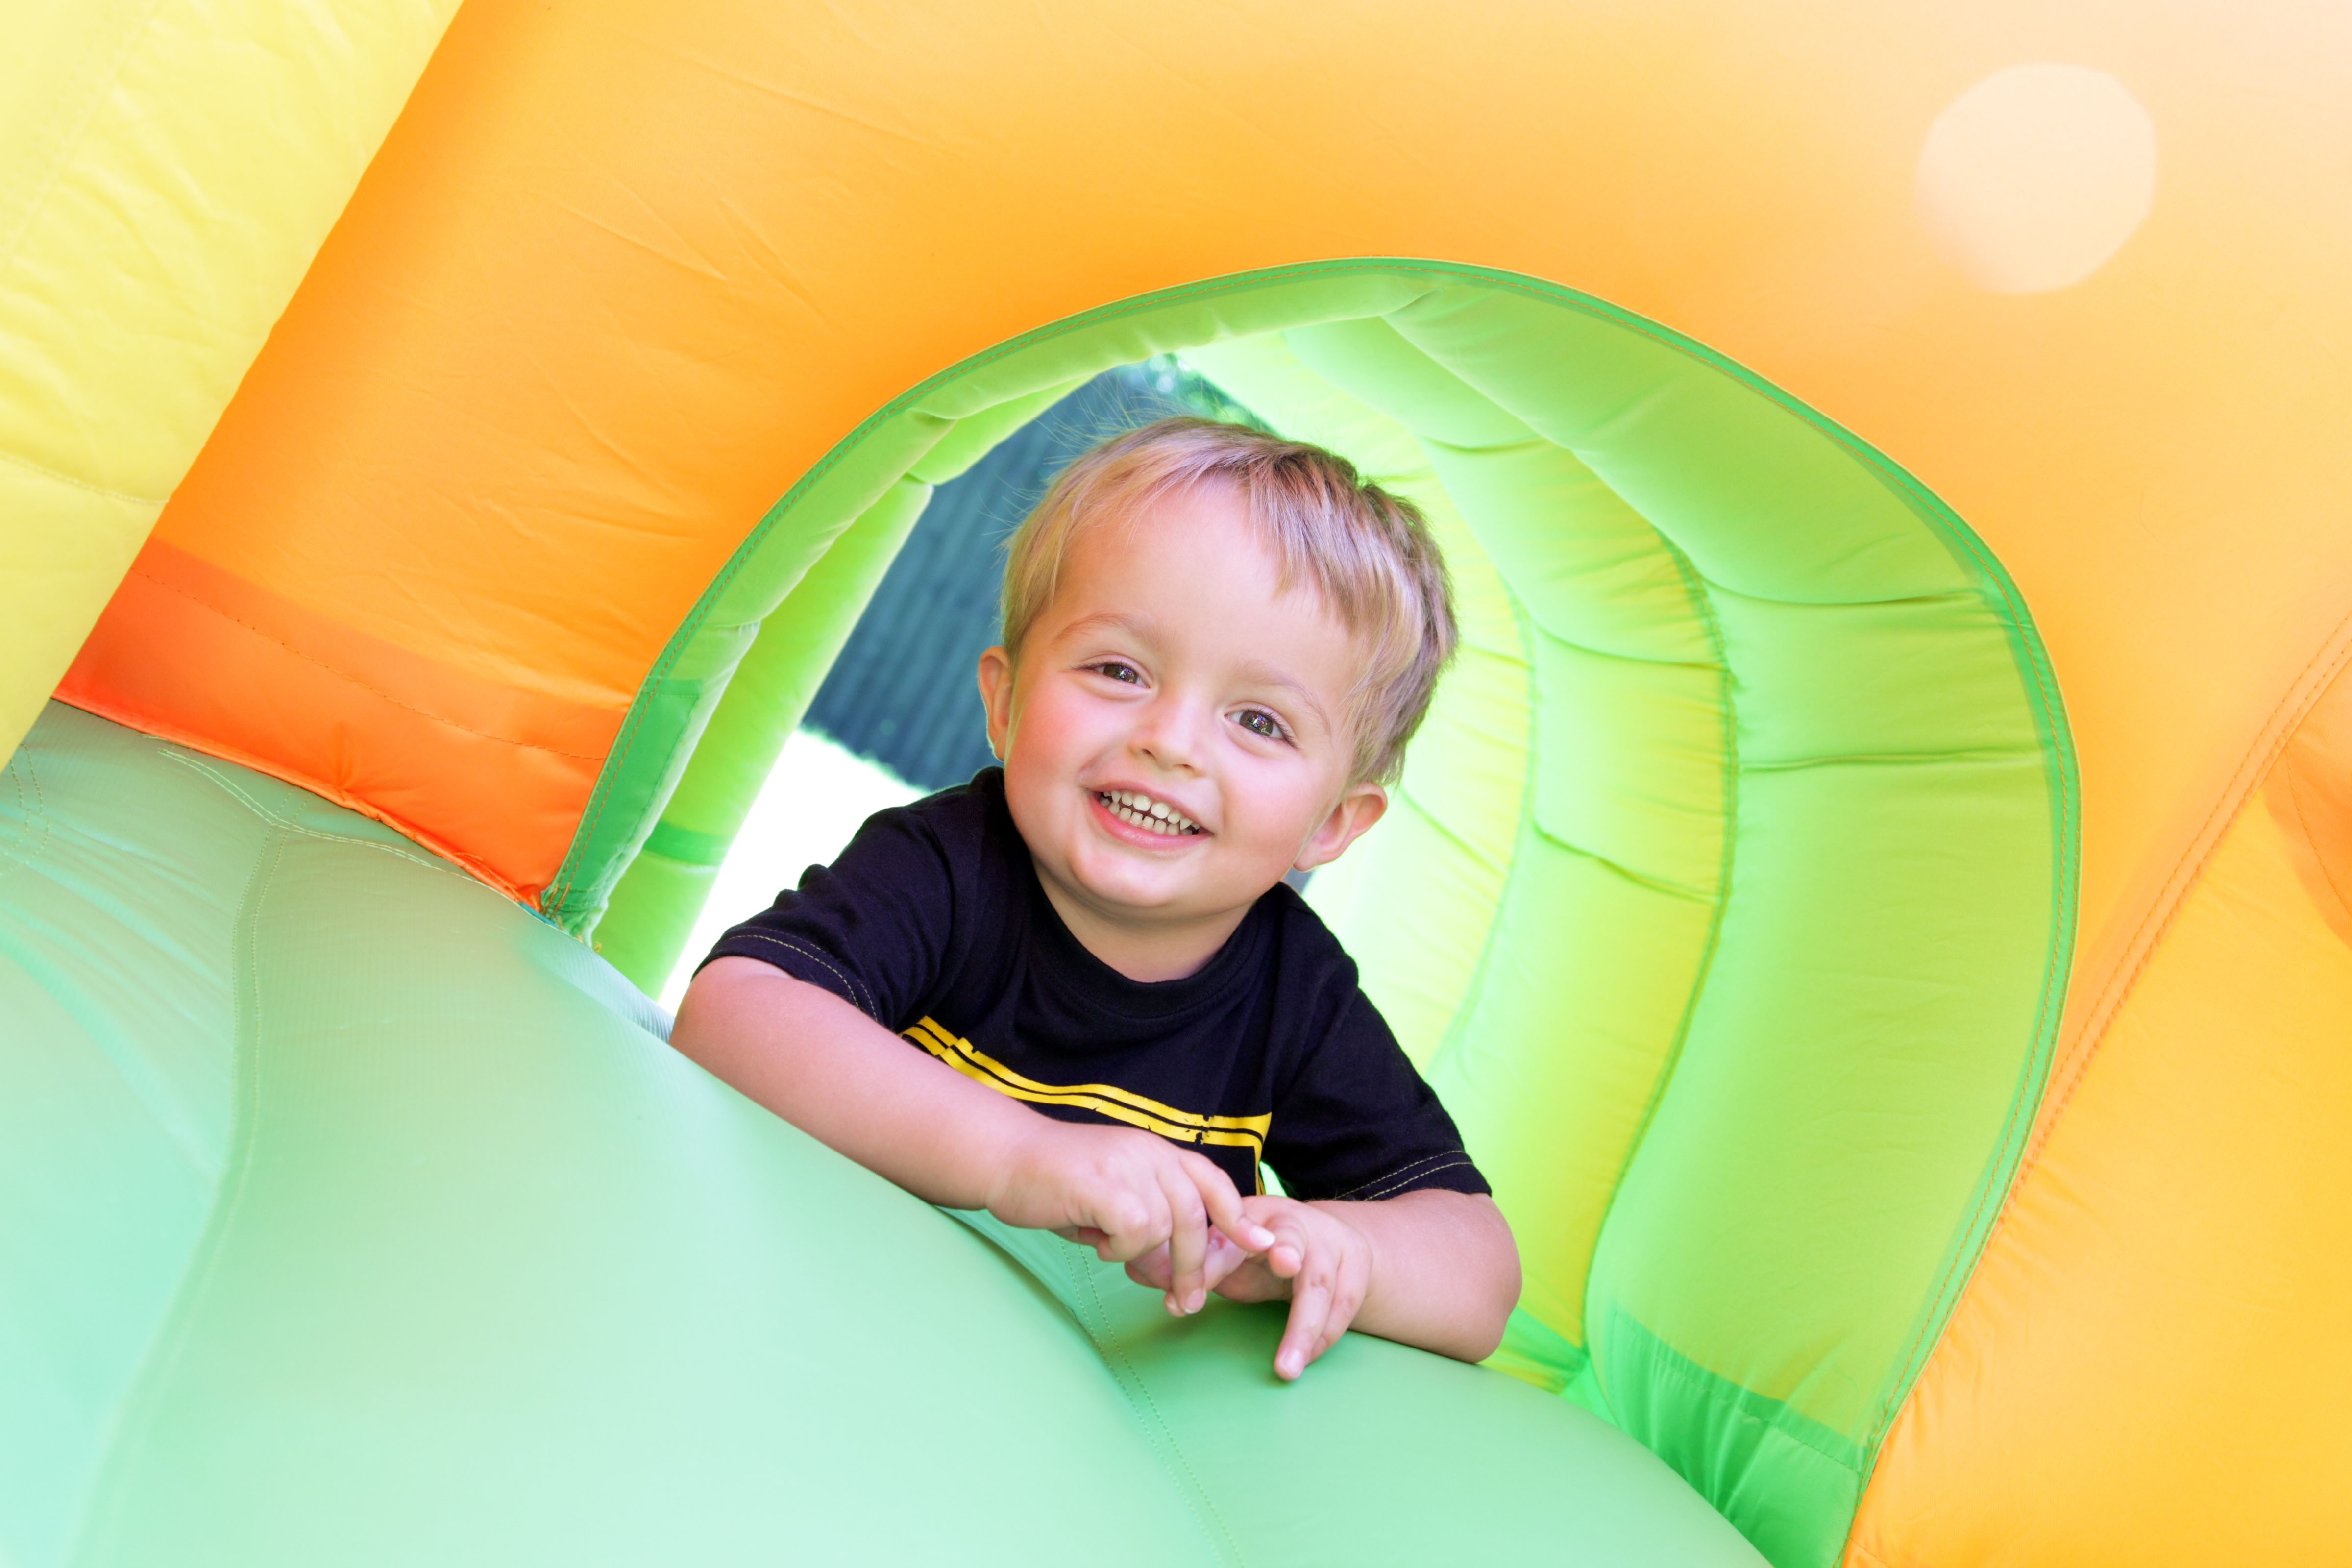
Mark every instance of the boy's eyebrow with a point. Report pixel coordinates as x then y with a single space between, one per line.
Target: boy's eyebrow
1109 620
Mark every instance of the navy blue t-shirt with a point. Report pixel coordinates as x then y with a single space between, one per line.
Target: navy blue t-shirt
932 924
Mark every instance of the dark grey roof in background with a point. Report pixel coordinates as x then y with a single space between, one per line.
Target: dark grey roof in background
903 692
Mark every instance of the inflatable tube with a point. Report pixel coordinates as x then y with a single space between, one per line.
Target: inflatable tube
1734 903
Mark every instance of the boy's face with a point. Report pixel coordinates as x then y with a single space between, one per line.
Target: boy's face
1166 672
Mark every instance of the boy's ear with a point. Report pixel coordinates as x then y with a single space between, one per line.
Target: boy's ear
996 696
1363 804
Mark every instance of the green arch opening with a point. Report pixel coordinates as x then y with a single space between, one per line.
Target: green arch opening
1730 900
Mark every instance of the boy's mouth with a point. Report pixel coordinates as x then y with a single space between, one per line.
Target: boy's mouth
1142 811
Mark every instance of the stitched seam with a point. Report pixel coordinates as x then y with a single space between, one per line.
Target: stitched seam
289 825
2295 802
1130 1381
1993 1194
17 855
1988 1193
172 1335
1391 1174
1456 1156
2269 742
858 994
161 728
18 460
1404 1181
345 676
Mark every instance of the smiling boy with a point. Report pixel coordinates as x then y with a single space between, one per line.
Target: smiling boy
1216 645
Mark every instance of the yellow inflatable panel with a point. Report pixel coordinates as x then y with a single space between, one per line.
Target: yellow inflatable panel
167 170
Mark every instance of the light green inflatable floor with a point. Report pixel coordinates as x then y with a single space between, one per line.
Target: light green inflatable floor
371 1222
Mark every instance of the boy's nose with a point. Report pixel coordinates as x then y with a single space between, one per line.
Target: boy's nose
1168 734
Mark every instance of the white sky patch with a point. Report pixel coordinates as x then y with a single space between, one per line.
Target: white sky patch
810 808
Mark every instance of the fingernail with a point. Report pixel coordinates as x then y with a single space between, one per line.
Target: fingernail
1200 1299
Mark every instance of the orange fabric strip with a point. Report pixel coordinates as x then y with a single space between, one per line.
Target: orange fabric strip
491 776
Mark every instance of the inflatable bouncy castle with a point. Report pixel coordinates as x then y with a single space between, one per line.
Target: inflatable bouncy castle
1876 893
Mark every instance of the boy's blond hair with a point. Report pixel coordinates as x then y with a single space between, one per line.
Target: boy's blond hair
1367 554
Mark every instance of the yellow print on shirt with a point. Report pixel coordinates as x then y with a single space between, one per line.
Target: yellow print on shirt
1183 1126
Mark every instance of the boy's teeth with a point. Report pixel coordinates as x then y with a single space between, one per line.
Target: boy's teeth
1158 815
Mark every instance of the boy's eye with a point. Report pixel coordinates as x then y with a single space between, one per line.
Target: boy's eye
1117 671
1258 721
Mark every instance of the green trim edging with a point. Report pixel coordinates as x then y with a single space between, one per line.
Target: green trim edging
1779 1477
2000 1167
686 846
1535 1353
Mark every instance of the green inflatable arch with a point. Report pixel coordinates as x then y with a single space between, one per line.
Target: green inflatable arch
1726 903
1744 830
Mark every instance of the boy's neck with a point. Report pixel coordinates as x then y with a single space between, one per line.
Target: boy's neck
1141 952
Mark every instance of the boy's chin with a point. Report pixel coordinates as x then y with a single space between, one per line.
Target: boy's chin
1149 900
1165 899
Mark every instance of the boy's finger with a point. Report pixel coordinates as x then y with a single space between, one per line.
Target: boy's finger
1136 1223
1302 1339
1232 1216
1130 1220
1188 1246
1151 1270
1346 1302
1223 1259
1287 1255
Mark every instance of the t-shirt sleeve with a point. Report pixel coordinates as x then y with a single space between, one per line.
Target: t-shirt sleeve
1356 1122
872 928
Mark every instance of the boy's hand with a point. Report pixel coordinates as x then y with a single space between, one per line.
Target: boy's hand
1448 1271
1318 1262
1323 1264
1127 1192
1151 1270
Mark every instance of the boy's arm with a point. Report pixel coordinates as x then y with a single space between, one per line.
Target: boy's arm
1444 1272
830 1070
835 1073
